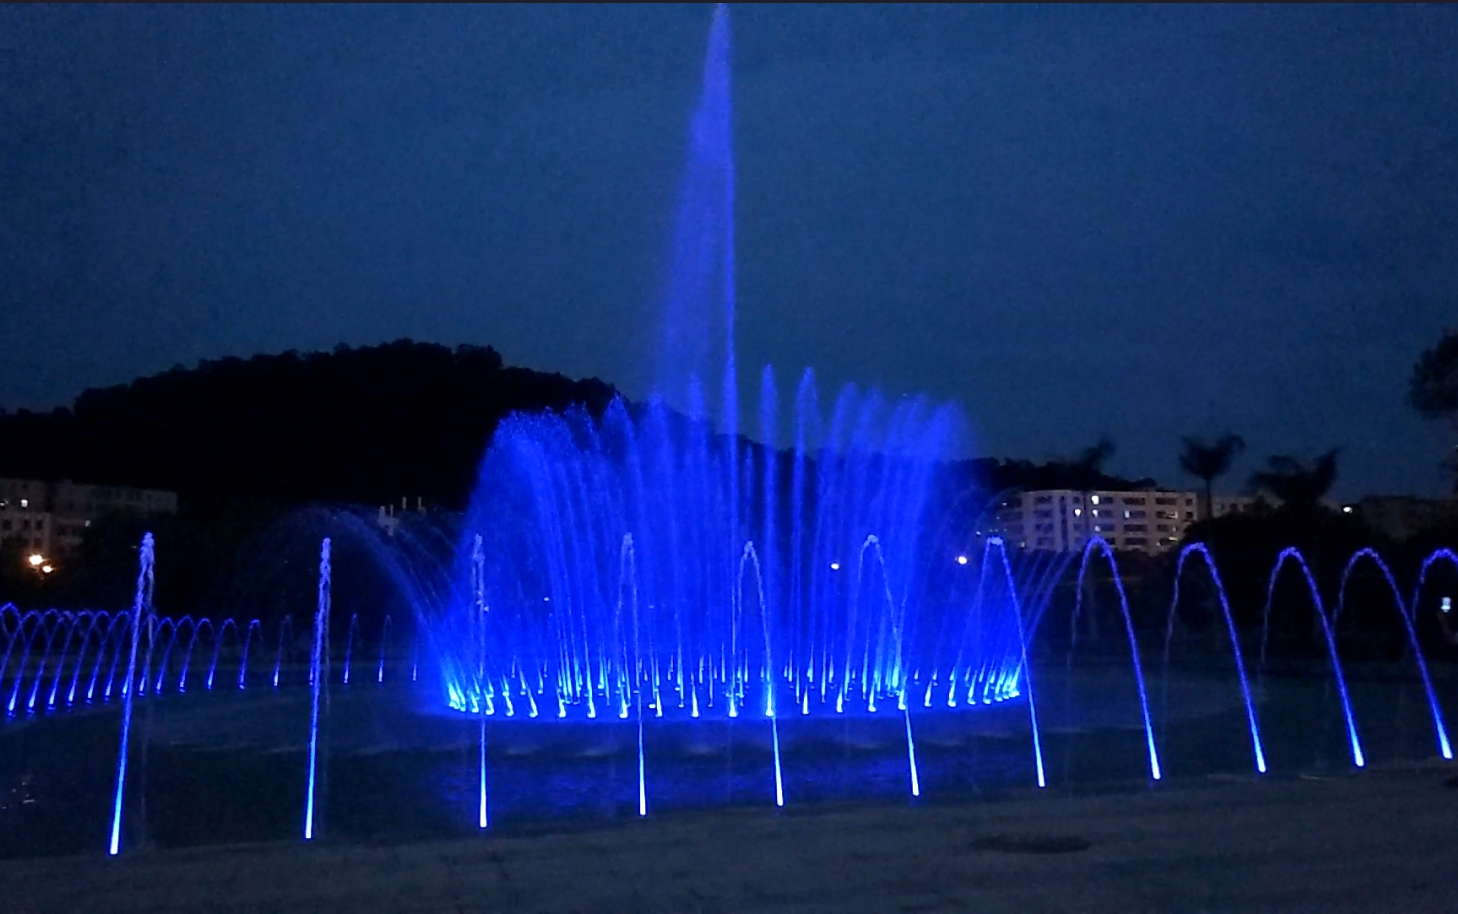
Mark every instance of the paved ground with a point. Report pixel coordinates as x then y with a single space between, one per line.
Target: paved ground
1380 841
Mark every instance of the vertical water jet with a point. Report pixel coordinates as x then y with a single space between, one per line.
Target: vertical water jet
318 666
996 542
478 592
911 752
141 612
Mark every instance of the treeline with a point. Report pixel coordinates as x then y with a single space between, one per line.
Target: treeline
247 443
364 426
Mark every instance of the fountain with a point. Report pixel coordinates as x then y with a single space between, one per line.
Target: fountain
653 569
47 653
646 557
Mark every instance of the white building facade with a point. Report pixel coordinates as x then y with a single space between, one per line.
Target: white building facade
50 519
1064 520
25 520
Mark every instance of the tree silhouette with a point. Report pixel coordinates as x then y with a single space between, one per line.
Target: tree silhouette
1432 390
1298 484
1206 461
1090 462
356 425
1083 471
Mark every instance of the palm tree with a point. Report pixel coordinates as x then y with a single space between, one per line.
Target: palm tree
1299 485
1207 461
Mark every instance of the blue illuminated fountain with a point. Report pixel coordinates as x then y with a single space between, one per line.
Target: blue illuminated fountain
654 565
647 563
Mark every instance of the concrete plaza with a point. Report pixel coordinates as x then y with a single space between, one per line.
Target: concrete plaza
1375 841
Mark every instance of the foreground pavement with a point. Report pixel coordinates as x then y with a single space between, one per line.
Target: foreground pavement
1379 841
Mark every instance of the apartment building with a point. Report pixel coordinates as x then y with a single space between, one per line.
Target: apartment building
24 519
75 505
388 517
50 519
1235 504
1063 520
1401 517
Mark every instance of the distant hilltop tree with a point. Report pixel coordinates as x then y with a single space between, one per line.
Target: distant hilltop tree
1083 472
979 481
361 425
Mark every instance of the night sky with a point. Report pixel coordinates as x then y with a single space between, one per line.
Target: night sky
1144 222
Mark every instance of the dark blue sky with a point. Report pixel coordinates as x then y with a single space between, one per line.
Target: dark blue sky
1144 222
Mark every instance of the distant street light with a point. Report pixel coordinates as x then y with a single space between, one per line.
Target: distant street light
36 560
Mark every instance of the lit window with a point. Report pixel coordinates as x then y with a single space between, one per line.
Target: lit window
1093 499
25 502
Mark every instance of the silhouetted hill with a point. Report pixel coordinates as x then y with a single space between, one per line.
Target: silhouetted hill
363 425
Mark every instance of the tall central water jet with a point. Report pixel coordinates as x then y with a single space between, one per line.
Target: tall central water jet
700 296
650 558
